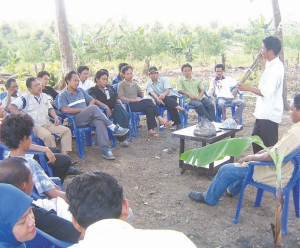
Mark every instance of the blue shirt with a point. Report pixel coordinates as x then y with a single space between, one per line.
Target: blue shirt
160 86
40 179
117 79
79 100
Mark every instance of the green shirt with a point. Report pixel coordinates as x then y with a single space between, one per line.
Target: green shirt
129 90
193 86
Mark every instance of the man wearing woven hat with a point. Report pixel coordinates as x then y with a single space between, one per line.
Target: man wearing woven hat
160 89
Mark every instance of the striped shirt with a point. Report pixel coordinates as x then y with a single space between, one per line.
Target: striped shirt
289 143
79 100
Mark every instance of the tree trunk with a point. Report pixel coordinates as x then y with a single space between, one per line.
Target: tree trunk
64 41
278 31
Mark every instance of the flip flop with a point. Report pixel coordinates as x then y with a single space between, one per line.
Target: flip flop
154 134
167 124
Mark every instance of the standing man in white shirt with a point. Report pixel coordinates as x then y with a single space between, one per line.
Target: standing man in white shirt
269 105
83 73
221 86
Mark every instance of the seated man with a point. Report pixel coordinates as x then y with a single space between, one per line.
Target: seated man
160 89
16 136
12 92
77 102
83 73
120 77
106 96
43 77
105 226
230 177
15 171
132 93
194 90
36 104
221 87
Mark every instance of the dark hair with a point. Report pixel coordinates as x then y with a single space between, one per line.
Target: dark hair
94 196
297 101
29 81
14 171
9 81
69 76
121 65
186 65
82 68
219 66
272 43
126 68
43 73
14 128
100 73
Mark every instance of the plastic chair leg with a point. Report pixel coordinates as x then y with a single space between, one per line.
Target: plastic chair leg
134 125
259 196
296 198
285 213
80 144
239 206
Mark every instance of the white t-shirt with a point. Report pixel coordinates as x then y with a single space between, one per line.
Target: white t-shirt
115 233
270 105
86 85
222 87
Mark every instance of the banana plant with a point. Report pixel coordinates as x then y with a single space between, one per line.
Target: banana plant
235 147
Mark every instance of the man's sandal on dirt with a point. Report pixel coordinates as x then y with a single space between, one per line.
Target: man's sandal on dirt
154 134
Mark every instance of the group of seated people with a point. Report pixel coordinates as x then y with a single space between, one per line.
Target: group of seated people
81 99
20 215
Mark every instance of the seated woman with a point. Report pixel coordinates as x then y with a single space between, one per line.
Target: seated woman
17 222
106 96
132 93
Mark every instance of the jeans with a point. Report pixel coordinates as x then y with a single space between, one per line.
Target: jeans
204 108
228 176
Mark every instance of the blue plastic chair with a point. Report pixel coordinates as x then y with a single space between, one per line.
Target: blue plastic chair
182 103
4 149
228 105
3 95
293 185
44 240
81 133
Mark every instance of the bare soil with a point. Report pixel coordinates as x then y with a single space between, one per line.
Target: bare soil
157 192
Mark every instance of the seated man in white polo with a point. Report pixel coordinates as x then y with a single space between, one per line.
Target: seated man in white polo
37 105
221 86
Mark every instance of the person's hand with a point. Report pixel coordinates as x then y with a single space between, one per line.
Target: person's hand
50 155
245 159
162 97
52 103
56 121
137 99
109 111
159 101
197 98
2 112
243 87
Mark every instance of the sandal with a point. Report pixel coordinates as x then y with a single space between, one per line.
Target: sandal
154 134
167 124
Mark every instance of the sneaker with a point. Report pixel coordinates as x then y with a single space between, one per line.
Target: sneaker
124 143
108 154
119 131
197 196
184 112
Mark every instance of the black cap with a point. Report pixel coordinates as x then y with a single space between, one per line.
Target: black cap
152 68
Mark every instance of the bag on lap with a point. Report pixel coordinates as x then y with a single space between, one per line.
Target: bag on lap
205 128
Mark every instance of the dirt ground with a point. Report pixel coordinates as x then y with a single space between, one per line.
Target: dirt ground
158 193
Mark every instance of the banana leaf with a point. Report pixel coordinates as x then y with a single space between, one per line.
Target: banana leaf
217 151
